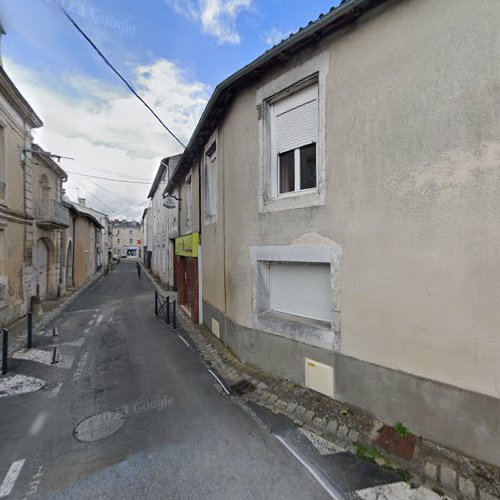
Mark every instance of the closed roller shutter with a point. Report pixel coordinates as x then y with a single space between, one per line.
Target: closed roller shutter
302 289
297 121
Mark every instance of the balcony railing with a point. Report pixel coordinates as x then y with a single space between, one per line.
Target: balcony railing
50 214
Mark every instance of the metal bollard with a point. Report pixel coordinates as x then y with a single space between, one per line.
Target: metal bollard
168 310
55 332
174 319
5 351
156 303
54 356
30 330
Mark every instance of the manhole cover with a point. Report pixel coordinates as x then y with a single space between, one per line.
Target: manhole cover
99 426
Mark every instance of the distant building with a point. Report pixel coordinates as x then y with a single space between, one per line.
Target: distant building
126 238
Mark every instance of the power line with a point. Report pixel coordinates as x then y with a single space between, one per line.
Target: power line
125 211
107 178
109 191
104 58
119 174
92 194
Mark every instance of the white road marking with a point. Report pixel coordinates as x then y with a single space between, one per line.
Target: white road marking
95 315
13 385
219 381
87 330
91 322
11 477
81 365
323 446
45 357
398 490
332 491
35 482
38 423
81 311
183 339
55 391
99 319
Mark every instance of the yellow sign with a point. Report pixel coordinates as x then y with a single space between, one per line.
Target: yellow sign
187 246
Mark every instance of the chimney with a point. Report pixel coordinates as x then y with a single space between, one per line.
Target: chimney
81 202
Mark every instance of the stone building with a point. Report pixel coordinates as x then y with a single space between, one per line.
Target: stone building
163 225
31 213
350 198
126 238
51 217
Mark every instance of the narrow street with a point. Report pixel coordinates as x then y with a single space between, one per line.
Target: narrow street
177 437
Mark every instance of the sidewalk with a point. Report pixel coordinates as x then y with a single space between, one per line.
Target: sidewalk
50 310
414 459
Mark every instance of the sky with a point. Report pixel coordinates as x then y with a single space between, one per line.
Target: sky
174 52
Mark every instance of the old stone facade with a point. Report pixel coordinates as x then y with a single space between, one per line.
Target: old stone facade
162 224
31 213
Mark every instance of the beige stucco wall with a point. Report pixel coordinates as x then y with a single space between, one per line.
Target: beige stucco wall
212 234
84 245
412 191
184 228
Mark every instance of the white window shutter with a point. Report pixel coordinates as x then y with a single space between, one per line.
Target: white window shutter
296 121
302 289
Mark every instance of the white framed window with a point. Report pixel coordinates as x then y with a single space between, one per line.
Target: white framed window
301 290
211 184
297 292
189 200
294 139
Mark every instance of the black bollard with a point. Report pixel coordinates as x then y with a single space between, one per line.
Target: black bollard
30 330
5 351
54 356
156 303
55 332
174 319
168 310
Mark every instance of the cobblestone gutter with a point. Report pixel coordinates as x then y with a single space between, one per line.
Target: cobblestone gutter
444 471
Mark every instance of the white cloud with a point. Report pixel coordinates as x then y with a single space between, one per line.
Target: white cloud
107 128
275 36
217 17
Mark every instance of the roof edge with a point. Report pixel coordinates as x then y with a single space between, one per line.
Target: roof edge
295 40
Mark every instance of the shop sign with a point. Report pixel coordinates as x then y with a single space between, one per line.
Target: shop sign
187 246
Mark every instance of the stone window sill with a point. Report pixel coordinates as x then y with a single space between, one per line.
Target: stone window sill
305 330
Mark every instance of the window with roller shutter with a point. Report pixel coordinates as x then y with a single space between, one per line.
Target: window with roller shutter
294 137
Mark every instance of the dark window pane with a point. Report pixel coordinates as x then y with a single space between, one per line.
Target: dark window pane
308 167
287 172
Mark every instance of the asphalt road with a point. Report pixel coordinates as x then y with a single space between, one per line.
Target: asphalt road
178 436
